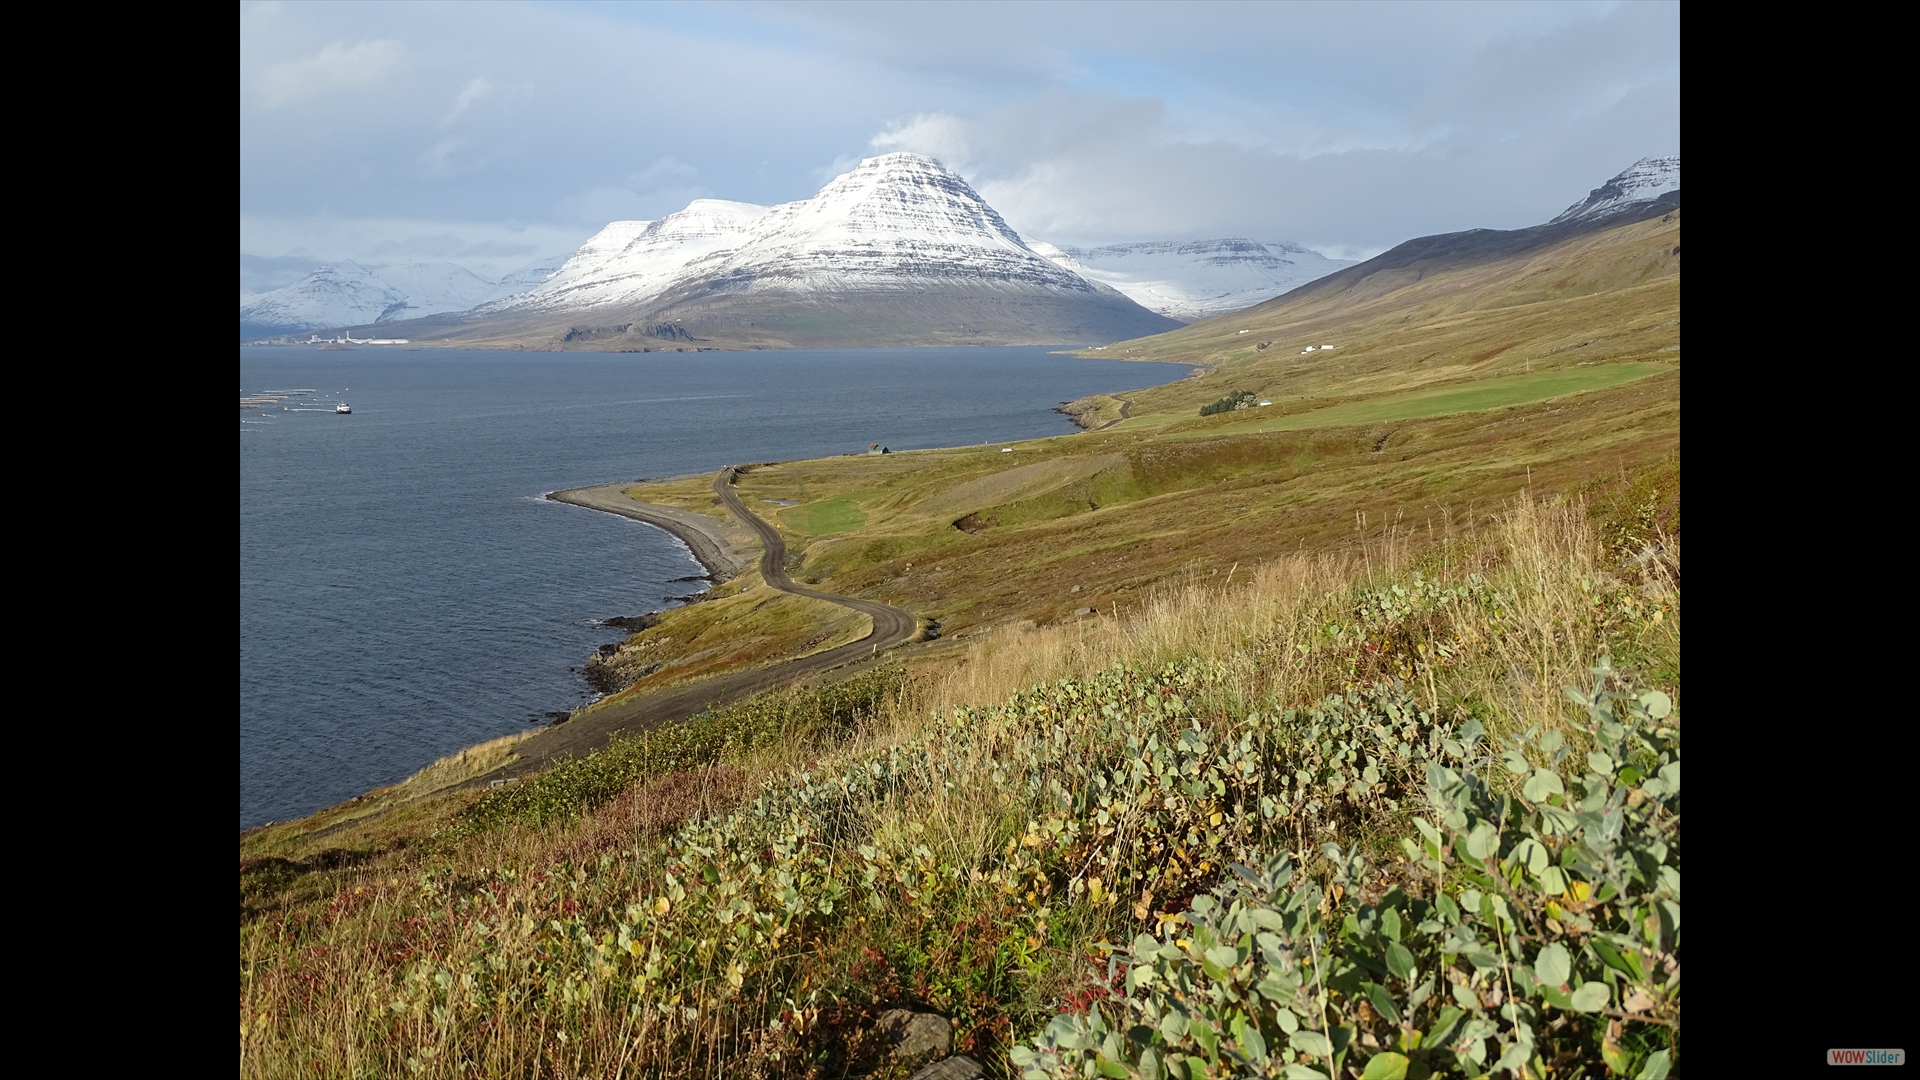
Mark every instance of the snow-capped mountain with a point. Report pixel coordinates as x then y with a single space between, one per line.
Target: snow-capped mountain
898 250
1643 182
1196 279
634 261
526 278
431 288
894 219
340 294
349 294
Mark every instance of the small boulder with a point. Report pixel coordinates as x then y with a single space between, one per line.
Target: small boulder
916 1037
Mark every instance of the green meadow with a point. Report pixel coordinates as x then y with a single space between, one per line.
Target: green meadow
1442 401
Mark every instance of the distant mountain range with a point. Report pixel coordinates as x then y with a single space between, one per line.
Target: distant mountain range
1196 279
1650 188
900 250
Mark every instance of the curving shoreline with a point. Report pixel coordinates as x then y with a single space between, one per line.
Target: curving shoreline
701 534
890 626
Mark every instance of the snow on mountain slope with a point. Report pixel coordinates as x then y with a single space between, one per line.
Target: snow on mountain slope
527 278
339 294
1644 181
432 288
1196 279
893 220
349 294
632 261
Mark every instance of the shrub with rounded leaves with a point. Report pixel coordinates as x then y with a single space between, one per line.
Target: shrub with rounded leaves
1535 933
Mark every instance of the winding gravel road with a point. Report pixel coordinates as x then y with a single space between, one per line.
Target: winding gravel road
891 626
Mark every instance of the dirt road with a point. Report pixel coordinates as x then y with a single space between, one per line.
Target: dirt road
891 626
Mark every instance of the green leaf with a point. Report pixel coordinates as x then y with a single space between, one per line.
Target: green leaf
1443 1027
1532 854
1658 705
1202 1032
1542 784
1382 1002
1275 989
1554 881
1553 965
1599 762
1655 1068
1432 834
1388 1066
1310 1043
1110 1068
1609 954
1304 1072
1223 957
1483 841
1670 775
1267 919
1255 1044
1591 997
1516 1056
1399 960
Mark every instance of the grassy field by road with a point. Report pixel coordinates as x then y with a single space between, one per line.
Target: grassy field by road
1481 394
835 515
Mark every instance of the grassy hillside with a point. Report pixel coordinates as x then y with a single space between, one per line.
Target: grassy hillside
1327 641
744 895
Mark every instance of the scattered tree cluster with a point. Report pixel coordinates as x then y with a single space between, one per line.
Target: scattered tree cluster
1239 399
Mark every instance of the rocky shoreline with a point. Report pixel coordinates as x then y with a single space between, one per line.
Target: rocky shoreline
704 537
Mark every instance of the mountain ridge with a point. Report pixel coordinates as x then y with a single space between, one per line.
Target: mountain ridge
898 250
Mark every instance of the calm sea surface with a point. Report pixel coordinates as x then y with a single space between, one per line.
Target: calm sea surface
404 589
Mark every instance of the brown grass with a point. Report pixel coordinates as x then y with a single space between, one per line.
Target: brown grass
322 959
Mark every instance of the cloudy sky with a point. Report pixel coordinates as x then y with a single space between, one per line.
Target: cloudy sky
491 134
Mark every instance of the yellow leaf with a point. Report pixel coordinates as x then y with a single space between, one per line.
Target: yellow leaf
1580 889
1215 819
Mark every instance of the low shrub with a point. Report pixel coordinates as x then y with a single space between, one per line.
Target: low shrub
714 737
1535 930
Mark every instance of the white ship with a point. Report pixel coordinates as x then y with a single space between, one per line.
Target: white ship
343 407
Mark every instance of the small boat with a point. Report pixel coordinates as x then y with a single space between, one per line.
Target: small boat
343 407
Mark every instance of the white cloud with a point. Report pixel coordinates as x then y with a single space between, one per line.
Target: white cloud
1347 127
470 93
337 67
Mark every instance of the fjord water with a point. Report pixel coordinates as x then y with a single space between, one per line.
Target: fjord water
406 591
